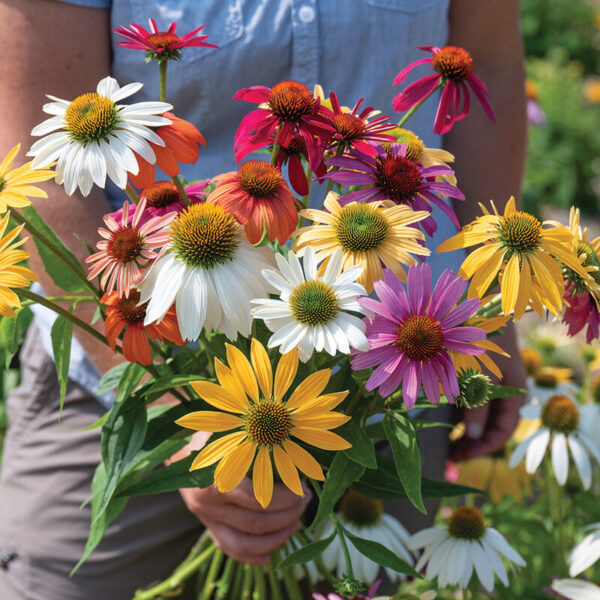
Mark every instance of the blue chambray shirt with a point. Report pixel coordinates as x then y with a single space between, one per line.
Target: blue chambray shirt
353 47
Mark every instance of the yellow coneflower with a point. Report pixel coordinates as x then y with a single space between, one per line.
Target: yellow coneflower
12 275
522 254
368 235
265 422
15 184
532 360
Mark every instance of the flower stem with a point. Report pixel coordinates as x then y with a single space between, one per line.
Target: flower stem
162 68
308 174
38 235
260 587
210 584
181 189
274 584
225 581
274 153
74 299
132 194
413 109
553 494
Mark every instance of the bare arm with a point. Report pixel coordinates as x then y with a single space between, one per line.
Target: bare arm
490 159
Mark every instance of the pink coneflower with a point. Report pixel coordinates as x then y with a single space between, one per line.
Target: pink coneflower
454 71
581 310
126 247
354 130
390 175
255 194
412 332
160 44
163 198
287 110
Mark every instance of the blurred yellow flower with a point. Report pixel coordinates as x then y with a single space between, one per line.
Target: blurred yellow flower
532 360
591 90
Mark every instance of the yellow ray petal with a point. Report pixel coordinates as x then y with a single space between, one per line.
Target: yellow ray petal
232 468
548 283
262 477
304 460
327 421
309 389
220 397
242 370
216 450
510 207
327 440
287 470
485 276
464 239
480 256
491 365
285 373
510 284
228 380
524 290
262 367
8 159
209 420
321 404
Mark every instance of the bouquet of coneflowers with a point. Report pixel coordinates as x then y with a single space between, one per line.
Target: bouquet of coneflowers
315 331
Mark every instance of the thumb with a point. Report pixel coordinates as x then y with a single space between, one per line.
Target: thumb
475 420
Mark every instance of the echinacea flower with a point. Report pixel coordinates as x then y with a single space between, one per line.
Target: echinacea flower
163 197
291 155
209 270
466 546
586 552
412 332
127 314
390 175
453 68
93 136
178 142
367 235
562 430
519 251
15 184
369 595
126 247
12 275
251 401
288 110
365 518
312 312
160 45
257 195
576 589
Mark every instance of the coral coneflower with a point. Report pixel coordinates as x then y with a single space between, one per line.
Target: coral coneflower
126 247
251 401
288 110
390 175
453 68
257 195
127 314
160 45
178 144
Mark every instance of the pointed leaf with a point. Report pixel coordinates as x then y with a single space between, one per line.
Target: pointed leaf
306 553
61 335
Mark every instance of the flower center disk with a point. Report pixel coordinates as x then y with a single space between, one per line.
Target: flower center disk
359 510
91 118
420 337
348 126
414 146
290 100
453 63
204 236
520 232
560 414
360 228
161 194
399 178
314 303
163 39
268 423
467 523
125 244
129 309
259 179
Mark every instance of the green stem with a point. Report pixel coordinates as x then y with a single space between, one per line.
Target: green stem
274 153
291 585
247 583
306 199
553 494
274 584
236 590
132 194
162 68
413 109
74 299
181 189
73 266
224 582
340 533
260 587
318 561
213 571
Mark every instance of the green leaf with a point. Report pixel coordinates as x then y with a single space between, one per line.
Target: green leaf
61 335
362 451
505 391
407 456
97 423
62 276
306 553
110 380
12 331
342 473
165 384
171 478
381 555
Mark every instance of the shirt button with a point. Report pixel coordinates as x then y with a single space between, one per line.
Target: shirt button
306 14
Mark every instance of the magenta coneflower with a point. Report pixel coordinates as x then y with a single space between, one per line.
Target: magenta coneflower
454 71
354 130
581 310
126 247
291 155
160 44
390 175
413 330
288 110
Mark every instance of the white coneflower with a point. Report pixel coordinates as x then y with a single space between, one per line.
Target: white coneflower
465 546
575 589
312 312
562 429
586 553
365 518
93 136
210 271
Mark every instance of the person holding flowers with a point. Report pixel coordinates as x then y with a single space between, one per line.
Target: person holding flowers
90 137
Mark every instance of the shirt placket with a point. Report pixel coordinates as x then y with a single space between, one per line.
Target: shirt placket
305 42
